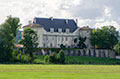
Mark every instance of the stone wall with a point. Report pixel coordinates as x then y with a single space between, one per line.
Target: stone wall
88 52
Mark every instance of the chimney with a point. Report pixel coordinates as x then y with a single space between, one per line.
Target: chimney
34 20
51 18
66 21
29 22
76 21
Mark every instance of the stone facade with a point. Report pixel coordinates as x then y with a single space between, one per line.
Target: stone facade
53 39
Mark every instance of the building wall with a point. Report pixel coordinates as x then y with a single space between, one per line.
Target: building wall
86 33
55 39
40 31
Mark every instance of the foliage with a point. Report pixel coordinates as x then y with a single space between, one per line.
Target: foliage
83 60
16 54
25 58
80 42
62 46
8 32
39 59
61 57
20 42
30 42
55 58
20 57
46 59
117 48
51 59
75 40
90 60
104 38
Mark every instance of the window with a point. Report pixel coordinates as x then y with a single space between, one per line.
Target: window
51 30
67 30
44 45
46 37
51 45
62 38
66 38
52 38
59 30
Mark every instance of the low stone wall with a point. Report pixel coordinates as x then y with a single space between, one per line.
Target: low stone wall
87 52
91 52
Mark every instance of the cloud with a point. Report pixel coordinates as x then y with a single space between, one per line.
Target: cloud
94 13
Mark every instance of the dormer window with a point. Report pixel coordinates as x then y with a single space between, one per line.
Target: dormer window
59 30
51 30
66 21
67 30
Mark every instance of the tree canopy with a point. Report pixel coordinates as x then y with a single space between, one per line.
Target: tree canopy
30 41
8 32
80 42
104 38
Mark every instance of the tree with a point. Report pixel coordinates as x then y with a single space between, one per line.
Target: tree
2 50
117 48
30 42
80 42
104 38
75 40
62 46
8 32
61 57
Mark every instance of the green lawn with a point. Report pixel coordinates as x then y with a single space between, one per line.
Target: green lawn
59 72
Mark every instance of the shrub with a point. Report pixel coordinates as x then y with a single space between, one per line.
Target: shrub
61 57
26 58
16 56
62 46
55 58
50 58
46 59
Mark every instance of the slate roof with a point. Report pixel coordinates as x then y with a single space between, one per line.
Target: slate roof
47 23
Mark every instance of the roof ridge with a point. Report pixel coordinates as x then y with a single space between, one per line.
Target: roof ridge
55 18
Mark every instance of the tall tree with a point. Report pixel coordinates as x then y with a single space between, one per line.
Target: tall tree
30 41
8 32
80 42
105 38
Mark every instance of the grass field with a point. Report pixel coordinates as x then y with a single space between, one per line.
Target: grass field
59 72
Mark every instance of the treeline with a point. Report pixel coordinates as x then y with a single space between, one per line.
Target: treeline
8 32
8 53
102 38
106 37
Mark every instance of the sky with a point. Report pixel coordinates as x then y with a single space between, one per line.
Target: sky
93 13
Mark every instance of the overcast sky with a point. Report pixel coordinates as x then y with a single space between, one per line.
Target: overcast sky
94 13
